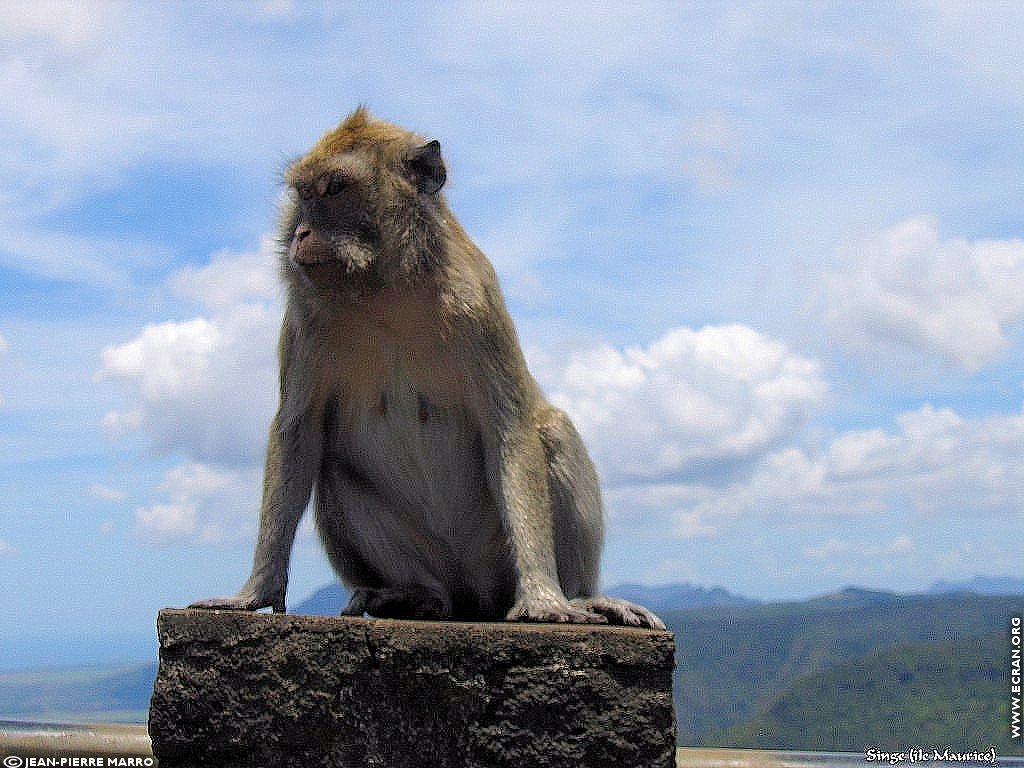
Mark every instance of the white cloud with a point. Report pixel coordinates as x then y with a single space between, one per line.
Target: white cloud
935 464
168 360
688 401
5 548
935 468
231 278
908 291
206 386
204 504
165 523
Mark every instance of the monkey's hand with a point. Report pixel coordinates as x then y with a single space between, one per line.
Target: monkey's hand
551 608
246 600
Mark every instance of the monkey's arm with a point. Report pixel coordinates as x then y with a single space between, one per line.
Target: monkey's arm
294 452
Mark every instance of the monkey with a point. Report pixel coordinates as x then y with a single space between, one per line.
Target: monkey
444 484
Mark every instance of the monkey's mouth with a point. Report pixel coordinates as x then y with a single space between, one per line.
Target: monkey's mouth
323 274
339 267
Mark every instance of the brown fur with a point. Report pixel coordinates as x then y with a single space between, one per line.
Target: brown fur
445 485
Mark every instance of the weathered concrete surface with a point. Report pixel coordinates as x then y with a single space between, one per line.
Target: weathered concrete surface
245 689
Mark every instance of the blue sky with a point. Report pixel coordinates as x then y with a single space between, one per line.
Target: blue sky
768 255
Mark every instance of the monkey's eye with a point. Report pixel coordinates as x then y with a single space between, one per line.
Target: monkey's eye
334 186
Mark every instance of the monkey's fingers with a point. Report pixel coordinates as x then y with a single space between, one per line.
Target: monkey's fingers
240 602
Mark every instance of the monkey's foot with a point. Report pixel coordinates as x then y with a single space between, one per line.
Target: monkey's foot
553 610
397 603
618 611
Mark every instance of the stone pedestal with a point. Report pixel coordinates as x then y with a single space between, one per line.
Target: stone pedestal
256 689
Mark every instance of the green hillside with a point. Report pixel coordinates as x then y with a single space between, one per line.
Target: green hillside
948 694
734 663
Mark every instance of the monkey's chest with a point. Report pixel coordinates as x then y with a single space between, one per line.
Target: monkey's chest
418 450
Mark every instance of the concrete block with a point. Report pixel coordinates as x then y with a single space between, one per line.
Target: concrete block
257 689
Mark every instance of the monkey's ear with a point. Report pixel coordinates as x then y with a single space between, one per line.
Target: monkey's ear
427 168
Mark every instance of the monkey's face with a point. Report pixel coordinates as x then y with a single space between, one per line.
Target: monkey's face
362 218
336 214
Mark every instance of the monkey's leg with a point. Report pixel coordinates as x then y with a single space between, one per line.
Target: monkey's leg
579 529
576 505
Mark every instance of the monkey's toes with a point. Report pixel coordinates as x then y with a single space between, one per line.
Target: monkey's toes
617 611
554 613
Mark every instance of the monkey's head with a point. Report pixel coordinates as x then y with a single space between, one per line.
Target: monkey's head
364 208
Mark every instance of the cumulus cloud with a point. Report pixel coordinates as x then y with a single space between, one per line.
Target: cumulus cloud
688 402
932 467
909 291
202 504
205 386
933 463
231 278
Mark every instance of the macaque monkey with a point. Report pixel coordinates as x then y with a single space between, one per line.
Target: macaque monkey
446 486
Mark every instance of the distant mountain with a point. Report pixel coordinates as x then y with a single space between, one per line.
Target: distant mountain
981 585
678 597
331 598
853 597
